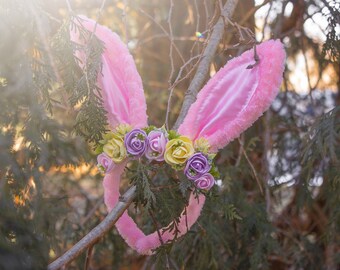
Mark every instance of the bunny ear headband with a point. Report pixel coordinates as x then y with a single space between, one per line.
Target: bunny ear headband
227 105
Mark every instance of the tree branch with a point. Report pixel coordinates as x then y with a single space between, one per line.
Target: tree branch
202 71
203 67
96 233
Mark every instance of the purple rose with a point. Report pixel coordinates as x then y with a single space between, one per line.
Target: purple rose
156 145
105 163
205 182
135 142
196 166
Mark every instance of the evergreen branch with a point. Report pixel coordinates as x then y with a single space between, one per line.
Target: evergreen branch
99 231
160 237
140 179
201 73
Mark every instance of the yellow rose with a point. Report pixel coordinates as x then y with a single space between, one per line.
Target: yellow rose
178 150
115 148
106 137
122 129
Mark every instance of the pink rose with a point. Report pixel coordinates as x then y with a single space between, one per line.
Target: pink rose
156 145
105 163
205 182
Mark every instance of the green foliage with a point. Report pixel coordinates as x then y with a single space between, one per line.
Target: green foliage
148 129
48 201
331 47
214 171
140 178
82 83
230 212
323 139
32 142
173 134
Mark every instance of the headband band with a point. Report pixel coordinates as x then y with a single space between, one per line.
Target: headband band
228 104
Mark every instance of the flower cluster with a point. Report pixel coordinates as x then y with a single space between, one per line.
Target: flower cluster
157 144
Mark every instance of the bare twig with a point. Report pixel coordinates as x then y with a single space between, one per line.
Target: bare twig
176 82
165 32
124 16
69 6
171 37
203 67
92 212
175 38
266 20
265 166
240 151
179 75
307 72
197 13
256 59
251 166
252 12
206 14
88 257
98 232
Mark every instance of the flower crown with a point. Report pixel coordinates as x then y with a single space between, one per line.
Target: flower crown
226 106
159 145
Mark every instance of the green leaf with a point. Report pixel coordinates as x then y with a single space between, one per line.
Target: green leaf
99 149
148 129
173 134
214 172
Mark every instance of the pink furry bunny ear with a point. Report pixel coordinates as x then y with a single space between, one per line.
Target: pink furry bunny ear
119 81
236 96
230 102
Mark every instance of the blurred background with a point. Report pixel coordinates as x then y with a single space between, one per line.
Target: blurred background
277 205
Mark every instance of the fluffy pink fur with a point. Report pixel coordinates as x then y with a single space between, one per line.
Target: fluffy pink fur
230 102
121 85
239 96
235 97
